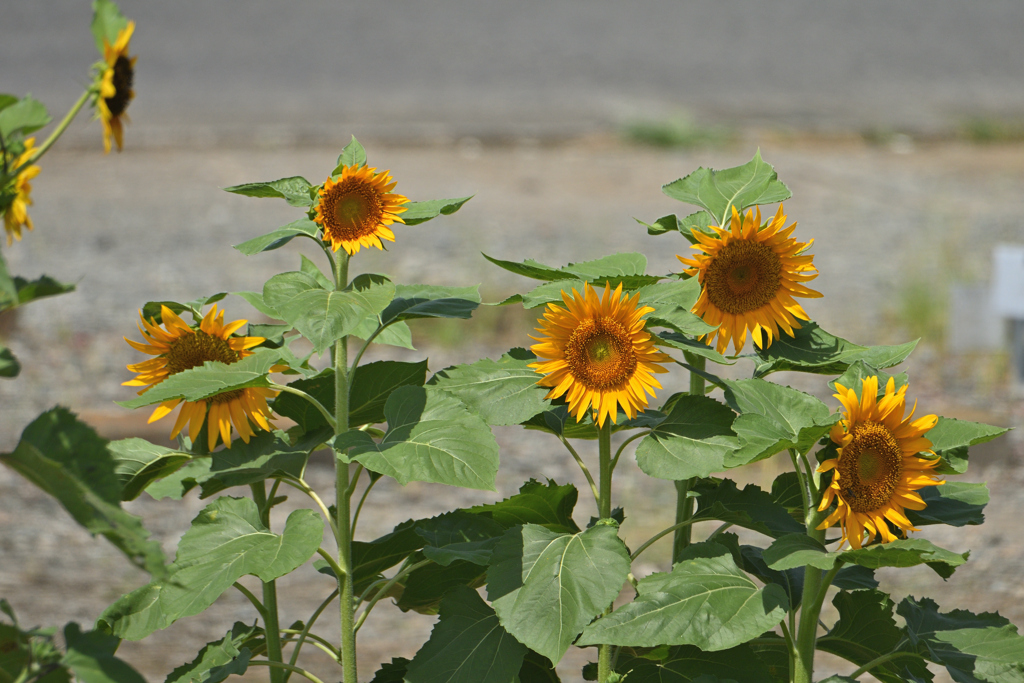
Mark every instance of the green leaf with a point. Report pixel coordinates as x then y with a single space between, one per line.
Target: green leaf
39 288
23 118
625 268
755 182
294 190
707 602
467 645
907 552
429 301
7 100
814 350
672 302
459 535
352 155
532 269
210 379
433 437
213 661
255 300
425 587
546 586
186 478
786 491
537 669
501 392
226 541
859 370
972 647
91 657
954 503
310 268
751 508
547 505
9 365
268 454
659 227
699 221
686 663
370 558
692 440
8 290
551 293
107 22
138 463
951 438
66 459
391 672
865 631
421 212
395 334
798 550
324 316
684 343
278 238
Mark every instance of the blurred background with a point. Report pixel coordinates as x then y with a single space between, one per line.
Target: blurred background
899 128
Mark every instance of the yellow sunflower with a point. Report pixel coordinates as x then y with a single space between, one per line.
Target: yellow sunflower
355 210
16 215
177 347
877 472
116 87
749 275
597 352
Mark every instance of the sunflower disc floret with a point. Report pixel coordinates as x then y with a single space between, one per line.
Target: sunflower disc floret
596 352
356 207
749 276
177 347
877 473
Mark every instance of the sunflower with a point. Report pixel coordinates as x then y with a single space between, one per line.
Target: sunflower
877 473
355 210
116 87
749 276
598 352
177 347
16 214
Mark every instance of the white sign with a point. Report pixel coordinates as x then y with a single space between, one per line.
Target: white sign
1008 281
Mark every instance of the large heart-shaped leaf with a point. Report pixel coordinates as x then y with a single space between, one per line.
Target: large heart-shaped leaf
502 392
547 505
692 440
812 349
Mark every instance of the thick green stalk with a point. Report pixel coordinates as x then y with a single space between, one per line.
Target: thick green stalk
271 623
343 522
684 503
61 127
811 600
604 511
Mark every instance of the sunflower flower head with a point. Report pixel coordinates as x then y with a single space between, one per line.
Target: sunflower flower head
115 87
749 276
178 346
877 473
16 194
596 352
356 207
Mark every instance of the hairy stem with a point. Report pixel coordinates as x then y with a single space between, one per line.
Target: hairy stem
271 624
684 503
604 511
305 633
286 667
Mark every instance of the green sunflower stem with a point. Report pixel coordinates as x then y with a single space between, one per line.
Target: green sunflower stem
271 623
684 503
59 130
604 511
816 583
343 520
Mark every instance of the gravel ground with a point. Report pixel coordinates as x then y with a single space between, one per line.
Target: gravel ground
149 225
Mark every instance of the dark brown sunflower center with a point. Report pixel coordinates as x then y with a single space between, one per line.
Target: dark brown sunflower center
192 350
870 467
744 276
351 209
124 74
600 354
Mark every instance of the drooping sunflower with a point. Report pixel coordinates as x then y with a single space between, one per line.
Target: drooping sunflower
16 215
356 209
597 353
116 87
178 346
749 275
877 473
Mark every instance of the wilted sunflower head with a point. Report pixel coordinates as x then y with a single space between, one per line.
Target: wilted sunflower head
115 90
597 353
179 346
749 275
877 473
356 207
16 194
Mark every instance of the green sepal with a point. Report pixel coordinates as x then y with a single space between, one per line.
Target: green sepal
225 542
294 190
547 586
421 212
501 392
467 645
280 237
812 349
219 659
107 22
68 460
753 183
548 505
353 154
23 118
